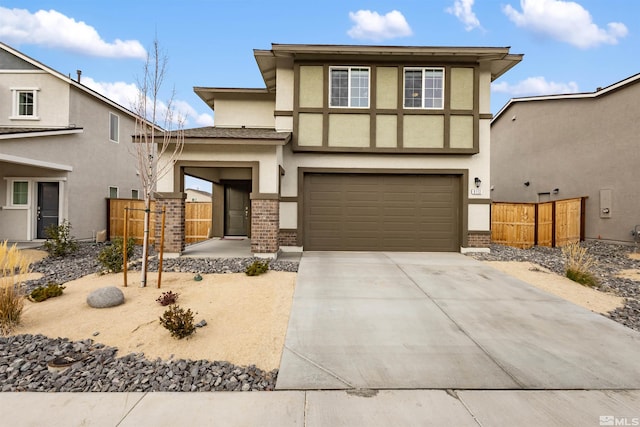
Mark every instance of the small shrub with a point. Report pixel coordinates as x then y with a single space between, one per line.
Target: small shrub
257 268
13 265
578 264
178 321
112 256
59 240
42 293
167 298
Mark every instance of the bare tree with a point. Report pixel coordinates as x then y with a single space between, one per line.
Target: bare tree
158 138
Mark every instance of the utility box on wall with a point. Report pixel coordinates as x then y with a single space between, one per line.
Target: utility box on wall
606 196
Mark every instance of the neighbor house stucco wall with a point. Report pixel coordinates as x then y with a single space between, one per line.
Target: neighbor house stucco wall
579 146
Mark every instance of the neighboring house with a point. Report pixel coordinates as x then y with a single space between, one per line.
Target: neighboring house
64 149
563 146
196 195
352 148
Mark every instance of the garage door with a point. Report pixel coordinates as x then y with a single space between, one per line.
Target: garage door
362 212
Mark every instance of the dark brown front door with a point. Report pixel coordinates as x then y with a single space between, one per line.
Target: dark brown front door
382 212
48 207
237 208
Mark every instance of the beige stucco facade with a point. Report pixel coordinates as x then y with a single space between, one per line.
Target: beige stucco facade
559 147
383 137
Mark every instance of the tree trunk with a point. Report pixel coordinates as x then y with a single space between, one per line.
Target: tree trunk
145 242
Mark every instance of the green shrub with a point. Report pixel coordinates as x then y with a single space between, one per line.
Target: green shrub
42 293
178 321
59 240
112 256
167 298
257 268
578 264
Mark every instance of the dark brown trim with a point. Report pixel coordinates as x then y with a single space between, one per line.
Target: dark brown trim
463 175
486 116
283 113
553 224
479 201
289 230
480 232
583 218
288 199
446 109
264 196
535 221
373 97
476 108
385 150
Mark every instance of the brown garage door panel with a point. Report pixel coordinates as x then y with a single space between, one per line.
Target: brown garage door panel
381 212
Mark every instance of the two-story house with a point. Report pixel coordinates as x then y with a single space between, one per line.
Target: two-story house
63 149
352 148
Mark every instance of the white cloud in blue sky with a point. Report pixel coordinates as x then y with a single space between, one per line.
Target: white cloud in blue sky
53 29
534 86
463 10
373 26
566 21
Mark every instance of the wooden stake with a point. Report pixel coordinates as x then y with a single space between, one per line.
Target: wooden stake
124 246
161 249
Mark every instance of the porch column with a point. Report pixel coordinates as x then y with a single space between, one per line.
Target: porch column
174 231
265 223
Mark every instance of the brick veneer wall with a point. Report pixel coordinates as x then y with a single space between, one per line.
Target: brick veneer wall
288 238
480 239
174 232
265 225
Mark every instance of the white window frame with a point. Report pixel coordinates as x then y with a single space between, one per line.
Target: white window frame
15 110
117 192
11 204
424 88
117 131
349 69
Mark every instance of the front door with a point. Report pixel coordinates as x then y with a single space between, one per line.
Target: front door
48 206
237 208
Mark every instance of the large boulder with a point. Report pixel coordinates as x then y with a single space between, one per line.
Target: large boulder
105 297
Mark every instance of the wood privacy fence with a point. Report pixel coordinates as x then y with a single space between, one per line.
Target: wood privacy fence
523 225
197 220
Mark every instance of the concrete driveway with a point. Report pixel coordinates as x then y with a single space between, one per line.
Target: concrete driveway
443 321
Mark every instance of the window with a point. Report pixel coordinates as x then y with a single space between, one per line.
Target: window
349 87
134 194
113 192
25 104
114 124
424 88
20 193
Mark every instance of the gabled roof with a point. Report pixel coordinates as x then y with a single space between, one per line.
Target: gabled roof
67 79
582 95
498 59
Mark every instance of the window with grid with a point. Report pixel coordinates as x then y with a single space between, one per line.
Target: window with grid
20 193
25 103
114 124
349 87
134 194
424 88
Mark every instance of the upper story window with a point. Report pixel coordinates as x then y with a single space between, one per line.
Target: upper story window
349 87
113 192
25 104
424 88
114 127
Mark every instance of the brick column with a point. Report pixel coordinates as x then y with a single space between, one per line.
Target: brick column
479 239
265 224
174 233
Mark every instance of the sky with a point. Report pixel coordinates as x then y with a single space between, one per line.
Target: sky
568 46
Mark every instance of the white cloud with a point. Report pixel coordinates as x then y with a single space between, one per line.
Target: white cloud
126 94
55 30
463 10
373 26
534 86
566 21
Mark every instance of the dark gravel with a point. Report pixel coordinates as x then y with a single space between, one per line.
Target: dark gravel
610 260
24 358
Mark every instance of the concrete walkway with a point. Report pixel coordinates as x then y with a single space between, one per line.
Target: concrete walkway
443 321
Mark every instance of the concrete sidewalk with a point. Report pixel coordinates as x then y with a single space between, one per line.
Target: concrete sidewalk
323 408
443 321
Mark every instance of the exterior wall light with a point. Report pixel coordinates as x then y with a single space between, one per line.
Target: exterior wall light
477 182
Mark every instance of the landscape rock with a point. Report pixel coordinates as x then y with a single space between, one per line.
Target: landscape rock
109 296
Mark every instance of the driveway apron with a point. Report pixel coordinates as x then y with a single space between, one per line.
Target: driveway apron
381 320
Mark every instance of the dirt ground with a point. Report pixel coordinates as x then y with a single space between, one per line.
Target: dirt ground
246 316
